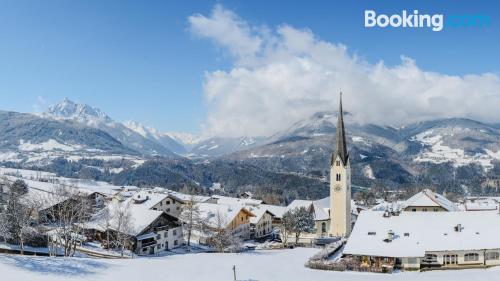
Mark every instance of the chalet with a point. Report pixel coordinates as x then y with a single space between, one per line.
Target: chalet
429 201
414 240
152 230
231 217
261 225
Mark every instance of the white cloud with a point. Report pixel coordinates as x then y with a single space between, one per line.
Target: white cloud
288 74
40 105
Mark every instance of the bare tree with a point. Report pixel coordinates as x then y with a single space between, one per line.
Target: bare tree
219 236
104 218
123 224
191 218
65 208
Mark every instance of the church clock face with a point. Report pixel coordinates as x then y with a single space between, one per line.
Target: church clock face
337 188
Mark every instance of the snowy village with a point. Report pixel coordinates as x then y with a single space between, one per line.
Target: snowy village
229 140
46 215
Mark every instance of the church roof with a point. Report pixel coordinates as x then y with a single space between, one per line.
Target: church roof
341 147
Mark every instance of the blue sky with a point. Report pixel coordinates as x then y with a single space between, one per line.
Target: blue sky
137 60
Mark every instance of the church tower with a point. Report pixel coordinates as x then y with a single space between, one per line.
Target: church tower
340 183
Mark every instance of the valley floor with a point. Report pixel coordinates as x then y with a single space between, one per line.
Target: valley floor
277 265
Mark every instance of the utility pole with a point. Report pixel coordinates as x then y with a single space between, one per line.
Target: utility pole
234 272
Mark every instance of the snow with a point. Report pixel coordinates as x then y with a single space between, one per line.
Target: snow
213 147
440 153
428 198
360 140
368 172
260 265
49 145
427 231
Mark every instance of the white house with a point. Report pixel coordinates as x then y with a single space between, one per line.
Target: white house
425 239
261 225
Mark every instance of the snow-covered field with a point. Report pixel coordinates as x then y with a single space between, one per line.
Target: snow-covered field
277 265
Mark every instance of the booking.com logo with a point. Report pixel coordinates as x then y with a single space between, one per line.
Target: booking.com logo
436 22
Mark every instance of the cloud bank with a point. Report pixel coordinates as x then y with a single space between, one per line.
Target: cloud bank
282 75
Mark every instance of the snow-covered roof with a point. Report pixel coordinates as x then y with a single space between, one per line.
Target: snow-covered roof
277 211
236 201
481 204
428 198
148 198
258 213
418 232
227 213
141 217
186 197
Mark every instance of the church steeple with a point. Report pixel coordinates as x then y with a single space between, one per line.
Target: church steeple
341 147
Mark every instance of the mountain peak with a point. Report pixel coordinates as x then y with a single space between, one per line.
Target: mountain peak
70 110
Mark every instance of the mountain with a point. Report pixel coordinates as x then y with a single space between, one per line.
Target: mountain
381 154
187 140
217 146
93 117
162 138
29 138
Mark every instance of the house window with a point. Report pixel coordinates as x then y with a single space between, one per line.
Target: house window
338 177
158 237
424 209
323 227
407 234
492 256
165 234
337 163
436 209
158 246
176 243
430 258
372 233
413 210
168 202
471 257
175 232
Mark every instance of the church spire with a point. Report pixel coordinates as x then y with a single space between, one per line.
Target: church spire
341 147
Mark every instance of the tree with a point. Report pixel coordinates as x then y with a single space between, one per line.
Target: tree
191 218
219 236
17 221
65 209
303 222
122 222
296 221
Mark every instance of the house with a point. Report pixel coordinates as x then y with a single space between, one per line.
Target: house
151 230
247 202
231 217
277 211
261 225
481 204
429 201
414 240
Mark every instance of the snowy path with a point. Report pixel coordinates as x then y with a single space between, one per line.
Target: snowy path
284 265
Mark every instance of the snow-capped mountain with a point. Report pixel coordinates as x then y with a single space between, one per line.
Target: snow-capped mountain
153 134
378 152
93 117
27 138
217 146
186 139
81 113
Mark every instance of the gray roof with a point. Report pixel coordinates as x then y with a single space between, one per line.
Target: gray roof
341 147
